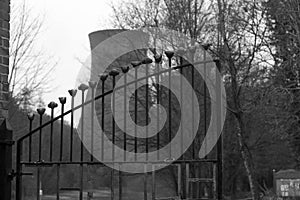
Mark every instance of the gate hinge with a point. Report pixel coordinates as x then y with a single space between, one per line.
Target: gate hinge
13 174
7 142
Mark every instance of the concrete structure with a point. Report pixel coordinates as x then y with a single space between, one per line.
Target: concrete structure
132 184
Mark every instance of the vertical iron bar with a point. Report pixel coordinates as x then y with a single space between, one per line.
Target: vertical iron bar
170 109
147 62
220 141
153 183
145 182
135 113
181 99
135 65
81 182
183 177
187 175
120 183
62 100
40 111
214 181
72 93
113 73
103 77
57 181
51 105
274 181
112 185
193 84
170 54
193 175
82 127
102 122
198 175
19 171
125 70
51 135
38 183
179 180
92 86
205 100
158 59
113 121
125 112
82 88
30 117
146 109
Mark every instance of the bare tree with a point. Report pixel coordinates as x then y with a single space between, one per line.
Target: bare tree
238 35
30 68
242 31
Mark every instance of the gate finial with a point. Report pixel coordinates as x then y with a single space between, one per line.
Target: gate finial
147 61
30 116
92 84
52 105
62 100
169 54
72 92
136 63
125 69
103 77
114 72
83 87
41 111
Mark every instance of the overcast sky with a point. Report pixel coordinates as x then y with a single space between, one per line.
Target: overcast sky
65 35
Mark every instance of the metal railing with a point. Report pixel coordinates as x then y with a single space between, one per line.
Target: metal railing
188 180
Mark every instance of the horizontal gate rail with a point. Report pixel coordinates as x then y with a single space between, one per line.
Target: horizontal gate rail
45 163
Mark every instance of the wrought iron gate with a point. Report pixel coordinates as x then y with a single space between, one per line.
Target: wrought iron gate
44 149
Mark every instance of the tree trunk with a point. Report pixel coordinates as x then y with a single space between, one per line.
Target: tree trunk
247 159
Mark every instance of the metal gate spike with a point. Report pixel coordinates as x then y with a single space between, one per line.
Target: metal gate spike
41 111
169 54
136 63
147 61
52 105
72 92
125 69
103 77
30 116
114 72
62 100
92 84
83 87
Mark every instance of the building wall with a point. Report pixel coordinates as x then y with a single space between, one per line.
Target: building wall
4 56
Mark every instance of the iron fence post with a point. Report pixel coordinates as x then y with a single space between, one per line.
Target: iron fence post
5 160
220 141
19 172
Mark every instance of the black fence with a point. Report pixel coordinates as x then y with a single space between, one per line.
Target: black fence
53 148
